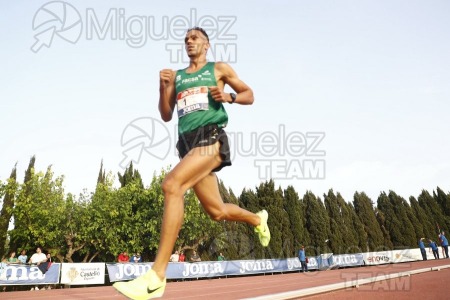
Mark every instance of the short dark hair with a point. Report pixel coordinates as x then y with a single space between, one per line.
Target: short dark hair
199 29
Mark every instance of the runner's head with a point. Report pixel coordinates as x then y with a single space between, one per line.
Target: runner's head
201 30
196 42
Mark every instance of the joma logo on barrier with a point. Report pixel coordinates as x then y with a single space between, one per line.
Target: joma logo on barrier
131 270
20 273
345 259
202 269
257 265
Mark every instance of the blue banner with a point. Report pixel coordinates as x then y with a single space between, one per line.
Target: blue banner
127 271
348 260
28 275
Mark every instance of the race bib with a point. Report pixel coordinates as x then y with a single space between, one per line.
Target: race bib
191 100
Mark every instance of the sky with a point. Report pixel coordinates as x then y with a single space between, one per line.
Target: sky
349 95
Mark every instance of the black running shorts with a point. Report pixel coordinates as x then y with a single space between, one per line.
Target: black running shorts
205 136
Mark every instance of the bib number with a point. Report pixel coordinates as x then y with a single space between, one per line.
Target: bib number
192 99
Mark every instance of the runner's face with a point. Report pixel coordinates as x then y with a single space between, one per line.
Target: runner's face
195 43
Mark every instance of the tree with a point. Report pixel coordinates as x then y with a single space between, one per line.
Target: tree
343 237
387 242
282 240
101 174
444 203
7 208
317 223
397 222
365 211
130 175
359 232
433 210
295 210
429 228
39 213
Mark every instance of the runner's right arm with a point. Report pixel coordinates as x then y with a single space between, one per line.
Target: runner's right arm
166 94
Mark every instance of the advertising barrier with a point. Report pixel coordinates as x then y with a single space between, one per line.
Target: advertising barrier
94 273
348 260
11 274
119 272
83 273
394 256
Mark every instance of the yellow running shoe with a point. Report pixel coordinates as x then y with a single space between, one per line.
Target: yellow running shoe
262 229
147 286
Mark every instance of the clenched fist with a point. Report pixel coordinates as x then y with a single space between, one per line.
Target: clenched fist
218 94
166 77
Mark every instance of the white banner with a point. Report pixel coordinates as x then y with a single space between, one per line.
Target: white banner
83 273
406 255
378 258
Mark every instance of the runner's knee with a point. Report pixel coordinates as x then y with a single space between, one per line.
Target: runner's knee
170 186
218 214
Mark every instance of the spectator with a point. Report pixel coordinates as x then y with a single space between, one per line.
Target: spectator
136 258
444 243
174 257
220 257
302 258
434 249
195 257
12 259
422 249
182 257
38 259
123 257
44 269
23 257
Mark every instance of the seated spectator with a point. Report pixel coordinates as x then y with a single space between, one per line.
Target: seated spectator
12 259
182 257
38 257
195 257
23 257
40 260
49 263
136 258
220 257
175 257
123 257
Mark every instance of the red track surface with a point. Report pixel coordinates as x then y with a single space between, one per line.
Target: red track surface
433 284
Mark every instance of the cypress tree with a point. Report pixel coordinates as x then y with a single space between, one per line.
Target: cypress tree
365 211
387 242
101 179
444 203
433 210
130 175
337 224
7 209
429 228
359 232
317 223
392 221
282 239
246 240
27 192
294 208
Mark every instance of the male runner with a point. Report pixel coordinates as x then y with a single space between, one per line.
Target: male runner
203 147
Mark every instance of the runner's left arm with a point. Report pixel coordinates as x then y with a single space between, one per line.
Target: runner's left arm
226 75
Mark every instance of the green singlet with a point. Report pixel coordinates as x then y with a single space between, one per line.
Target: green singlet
195 106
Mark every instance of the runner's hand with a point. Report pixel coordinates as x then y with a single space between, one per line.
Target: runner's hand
218 94
165 78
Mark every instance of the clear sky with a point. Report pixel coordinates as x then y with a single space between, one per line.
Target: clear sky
349 95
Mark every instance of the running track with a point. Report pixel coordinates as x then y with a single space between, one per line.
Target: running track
416 280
